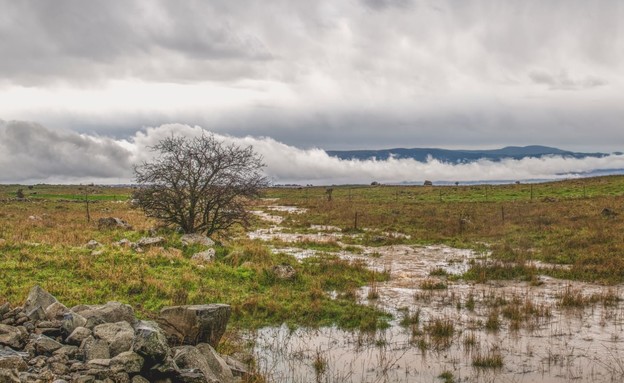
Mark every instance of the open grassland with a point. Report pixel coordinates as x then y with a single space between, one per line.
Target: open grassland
43 238
578 223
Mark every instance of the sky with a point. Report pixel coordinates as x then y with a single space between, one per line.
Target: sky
83 82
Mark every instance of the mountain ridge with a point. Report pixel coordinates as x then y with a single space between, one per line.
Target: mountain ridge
459 155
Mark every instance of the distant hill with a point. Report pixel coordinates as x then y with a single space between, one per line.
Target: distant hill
459 156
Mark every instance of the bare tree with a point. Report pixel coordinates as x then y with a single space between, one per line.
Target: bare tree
200 184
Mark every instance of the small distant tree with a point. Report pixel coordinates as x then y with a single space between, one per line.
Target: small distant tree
200 184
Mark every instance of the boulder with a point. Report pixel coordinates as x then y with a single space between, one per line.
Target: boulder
72 321
13 360
38 297
93 244
11 336
195 324
119 336
127 361
4 308
150 341
78 335
111 312
284 272
150 241
206 256
113 223
196 239
95 349
9 376
56 311
204 359
44 345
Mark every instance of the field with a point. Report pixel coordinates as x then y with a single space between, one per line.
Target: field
471 263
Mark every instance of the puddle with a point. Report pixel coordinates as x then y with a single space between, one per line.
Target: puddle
548 344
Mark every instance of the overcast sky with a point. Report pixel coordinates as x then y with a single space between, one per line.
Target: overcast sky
326 74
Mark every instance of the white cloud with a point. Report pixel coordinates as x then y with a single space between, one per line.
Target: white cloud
32 153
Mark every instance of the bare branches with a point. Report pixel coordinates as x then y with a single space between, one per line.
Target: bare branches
199 184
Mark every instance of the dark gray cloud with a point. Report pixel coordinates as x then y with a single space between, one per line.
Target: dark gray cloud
333 74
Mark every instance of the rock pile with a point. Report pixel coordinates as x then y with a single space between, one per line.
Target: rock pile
44 341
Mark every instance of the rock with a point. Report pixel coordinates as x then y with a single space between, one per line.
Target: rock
139 379
78 335
428 183
205 359
44 345
119 336
150 341
36 314
72 321
4 308
128 361
9 376
93 244
237 367
609 213
67 351
150 241
38 297
284 272
124 243
11 336
195 323
113 223
111 312
196 239
56 311
95 349
206 256
12 360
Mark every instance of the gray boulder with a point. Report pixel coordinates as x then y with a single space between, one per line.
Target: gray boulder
204 359
127 361
44 345
150 241
284 272
9 376
119 336
38 298
78 335
56 311
150 341
11 336
95 349
111 312
196 239
93 244
195 324
13 360
113 223
205 256
72 321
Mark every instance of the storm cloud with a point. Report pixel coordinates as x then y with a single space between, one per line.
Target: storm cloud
30 153
329 74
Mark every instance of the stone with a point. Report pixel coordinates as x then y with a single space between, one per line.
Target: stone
11 336
205 359
193 324
128 361
119 336
93 244
44 345
36 314
284 272
237 367
9 376
150 341
95 349
4 308
196 239
113 223
12 361
38 297
72 321
150 241
111 312
56 311
139 379
78 335
205 256
124 243
67 351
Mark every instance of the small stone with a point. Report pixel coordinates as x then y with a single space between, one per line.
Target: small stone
284 272
95 349
139 379
44 345
196 239
93 244
150 241
38 297
205 256
78 335
150 342
11 336
128 361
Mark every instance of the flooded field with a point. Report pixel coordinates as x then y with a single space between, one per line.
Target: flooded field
447 329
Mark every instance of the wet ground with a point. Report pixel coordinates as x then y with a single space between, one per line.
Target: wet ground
545 331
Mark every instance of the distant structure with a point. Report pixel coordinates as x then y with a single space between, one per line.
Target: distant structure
428 183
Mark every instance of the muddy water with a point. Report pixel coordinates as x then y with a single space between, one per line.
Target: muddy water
554 345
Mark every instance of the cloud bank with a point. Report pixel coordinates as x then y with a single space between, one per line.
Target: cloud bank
32 153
